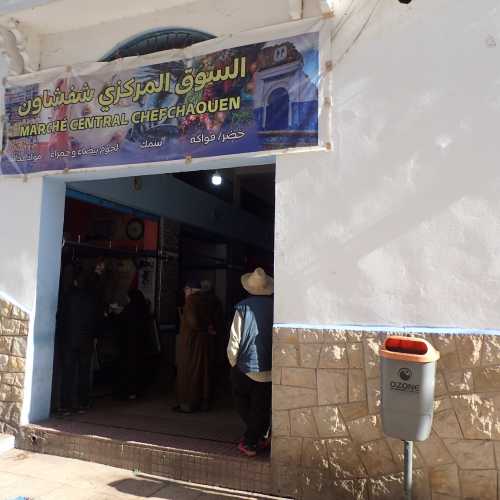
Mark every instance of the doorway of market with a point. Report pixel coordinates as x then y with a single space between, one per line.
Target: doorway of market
154 234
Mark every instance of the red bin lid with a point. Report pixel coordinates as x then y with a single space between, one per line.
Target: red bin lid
412 349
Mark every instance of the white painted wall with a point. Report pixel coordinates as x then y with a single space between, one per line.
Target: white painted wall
225 16
20 224
64 15
218 17
401 223
10 6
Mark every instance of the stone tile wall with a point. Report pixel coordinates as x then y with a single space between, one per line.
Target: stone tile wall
13 339
327 437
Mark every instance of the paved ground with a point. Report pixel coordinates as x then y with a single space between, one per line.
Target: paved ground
154 414
45 477
151 420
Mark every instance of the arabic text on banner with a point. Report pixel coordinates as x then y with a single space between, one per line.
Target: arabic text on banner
253 98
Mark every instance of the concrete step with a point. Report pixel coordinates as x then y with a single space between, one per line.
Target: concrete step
6 443
185 459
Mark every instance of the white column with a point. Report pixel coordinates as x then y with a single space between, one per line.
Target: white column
10 50
31 218
38 382
4 68
296 9
20 224
327 6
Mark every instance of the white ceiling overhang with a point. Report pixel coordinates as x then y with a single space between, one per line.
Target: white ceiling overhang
54 16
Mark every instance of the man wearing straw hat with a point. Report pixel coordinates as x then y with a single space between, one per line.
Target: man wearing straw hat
250 354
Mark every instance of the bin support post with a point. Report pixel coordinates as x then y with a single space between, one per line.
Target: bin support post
408 461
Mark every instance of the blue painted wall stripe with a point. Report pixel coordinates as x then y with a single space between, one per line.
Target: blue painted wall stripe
95 200
393 329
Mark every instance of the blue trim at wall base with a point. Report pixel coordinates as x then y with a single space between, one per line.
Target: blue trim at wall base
393 329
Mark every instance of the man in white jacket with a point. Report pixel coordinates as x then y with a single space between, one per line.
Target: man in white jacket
250 354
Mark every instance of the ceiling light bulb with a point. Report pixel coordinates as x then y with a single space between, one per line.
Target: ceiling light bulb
216 179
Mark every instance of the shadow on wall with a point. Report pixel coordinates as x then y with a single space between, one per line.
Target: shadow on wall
402 213
424 213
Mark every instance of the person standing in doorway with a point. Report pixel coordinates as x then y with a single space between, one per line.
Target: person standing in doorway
79 318
132 336
215 335
250 355
193 363
96 283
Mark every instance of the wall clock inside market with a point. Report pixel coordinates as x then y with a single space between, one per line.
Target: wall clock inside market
135 229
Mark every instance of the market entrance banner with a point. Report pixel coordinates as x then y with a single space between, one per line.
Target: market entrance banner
251 98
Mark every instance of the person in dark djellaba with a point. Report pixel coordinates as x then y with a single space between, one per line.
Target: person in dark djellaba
132 324
193 354
216 345
79 318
